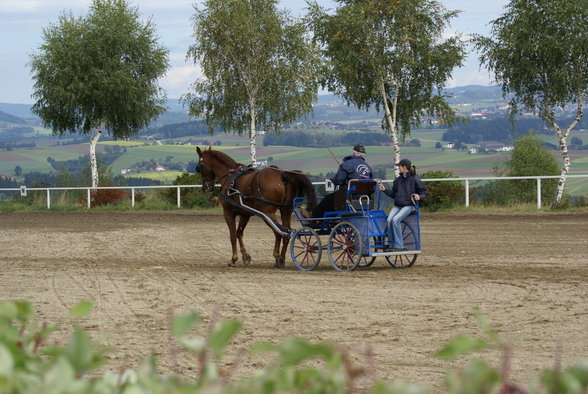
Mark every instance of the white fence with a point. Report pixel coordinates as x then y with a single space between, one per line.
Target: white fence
24 190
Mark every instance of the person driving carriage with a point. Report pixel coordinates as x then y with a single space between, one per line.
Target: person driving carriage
406 188
352 167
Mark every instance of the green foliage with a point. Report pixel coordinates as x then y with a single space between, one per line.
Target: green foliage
393 51
257 63
99 73
480 377
29 363
81 309
190 197
101 68
500 129
546 69
442 194
528 158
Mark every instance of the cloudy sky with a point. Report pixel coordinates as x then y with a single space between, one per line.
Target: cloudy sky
22 21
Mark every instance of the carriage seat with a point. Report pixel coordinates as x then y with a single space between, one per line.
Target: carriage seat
360 194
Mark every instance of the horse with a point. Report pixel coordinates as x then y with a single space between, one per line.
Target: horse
246 191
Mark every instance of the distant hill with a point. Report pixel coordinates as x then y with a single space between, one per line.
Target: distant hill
474 93
4 117
20 110
329 107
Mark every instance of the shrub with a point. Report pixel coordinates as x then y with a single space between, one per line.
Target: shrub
442 194
108 196
528 158
190 197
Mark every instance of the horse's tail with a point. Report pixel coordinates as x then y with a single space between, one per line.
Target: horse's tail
300 186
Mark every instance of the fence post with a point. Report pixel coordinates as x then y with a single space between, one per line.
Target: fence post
179 197
467 193
48 199
89 205
538 193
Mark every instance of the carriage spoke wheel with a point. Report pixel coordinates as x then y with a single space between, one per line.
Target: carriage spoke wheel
306 249
366 261
345 247
410 243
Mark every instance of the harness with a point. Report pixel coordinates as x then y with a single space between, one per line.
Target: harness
235 198
233 192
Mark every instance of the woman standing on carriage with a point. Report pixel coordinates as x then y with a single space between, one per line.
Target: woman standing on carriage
406 189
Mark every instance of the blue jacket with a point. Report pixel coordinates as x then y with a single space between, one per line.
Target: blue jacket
405 186
352 167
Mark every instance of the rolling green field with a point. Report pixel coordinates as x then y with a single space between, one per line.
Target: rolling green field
309 160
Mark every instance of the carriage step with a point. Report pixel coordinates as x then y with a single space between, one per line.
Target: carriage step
411 252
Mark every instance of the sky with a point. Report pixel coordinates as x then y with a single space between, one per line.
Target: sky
22 22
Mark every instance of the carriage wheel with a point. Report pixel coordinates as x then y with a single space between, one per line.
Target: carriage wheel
306 249
366 261
410 243
345 247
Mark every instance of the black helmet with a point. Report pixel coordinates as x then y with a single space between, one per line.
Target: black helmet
359 148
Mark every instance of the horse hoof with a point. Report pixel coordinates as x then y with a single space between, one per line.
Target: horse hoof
279 262
246 259
231 264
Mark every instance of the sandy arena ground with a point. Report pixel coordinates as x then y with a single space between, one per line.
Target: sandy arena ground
527 272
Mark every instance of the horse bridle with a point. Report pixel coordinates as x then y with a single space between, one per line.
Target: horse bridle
209 185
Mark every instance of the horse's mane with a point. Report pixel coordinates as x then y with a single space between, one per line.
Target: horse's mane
223 158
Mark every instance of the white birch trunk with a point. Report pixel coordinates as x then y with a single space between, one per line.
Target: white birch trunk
562 136
391 120
94 137
252 133
563 145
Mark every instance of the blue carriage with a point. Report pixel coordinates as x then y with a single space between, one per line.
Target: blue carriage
356 234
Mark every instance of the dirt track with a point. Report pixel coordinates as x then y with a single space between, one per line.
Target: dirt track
527 272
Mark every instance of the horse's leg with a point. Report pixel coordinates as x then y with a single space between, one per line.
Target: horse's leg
286 215
230 219
243 220
279 261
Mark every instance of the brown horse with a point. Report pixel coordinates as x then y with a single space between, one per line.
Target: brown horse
246 191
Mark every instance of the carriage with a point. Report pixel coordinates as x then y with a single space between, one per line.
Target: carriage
357 230
355 234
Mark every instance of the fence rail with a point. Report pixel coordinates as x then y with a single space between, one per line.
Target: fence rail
24 190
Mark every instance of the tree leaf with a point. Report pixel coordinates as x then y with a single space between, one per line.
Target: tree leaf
192 344
294 350
6 361
461 345
8 310
183 323
222 334
580 371
81 309
24 310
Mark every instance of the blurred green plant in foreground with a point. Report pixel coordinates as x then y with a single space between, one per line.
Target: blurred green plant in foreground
30 364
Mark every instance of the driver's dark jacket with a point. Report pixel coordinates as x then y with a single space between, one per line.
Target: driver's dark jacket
352 167
405 186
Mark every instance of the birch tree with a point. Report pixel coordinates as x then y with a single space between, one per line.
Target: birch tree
538 52
99 73
389 54
259 67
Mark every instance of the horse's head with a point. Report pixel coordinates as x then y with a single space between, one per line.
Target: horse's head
205 168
